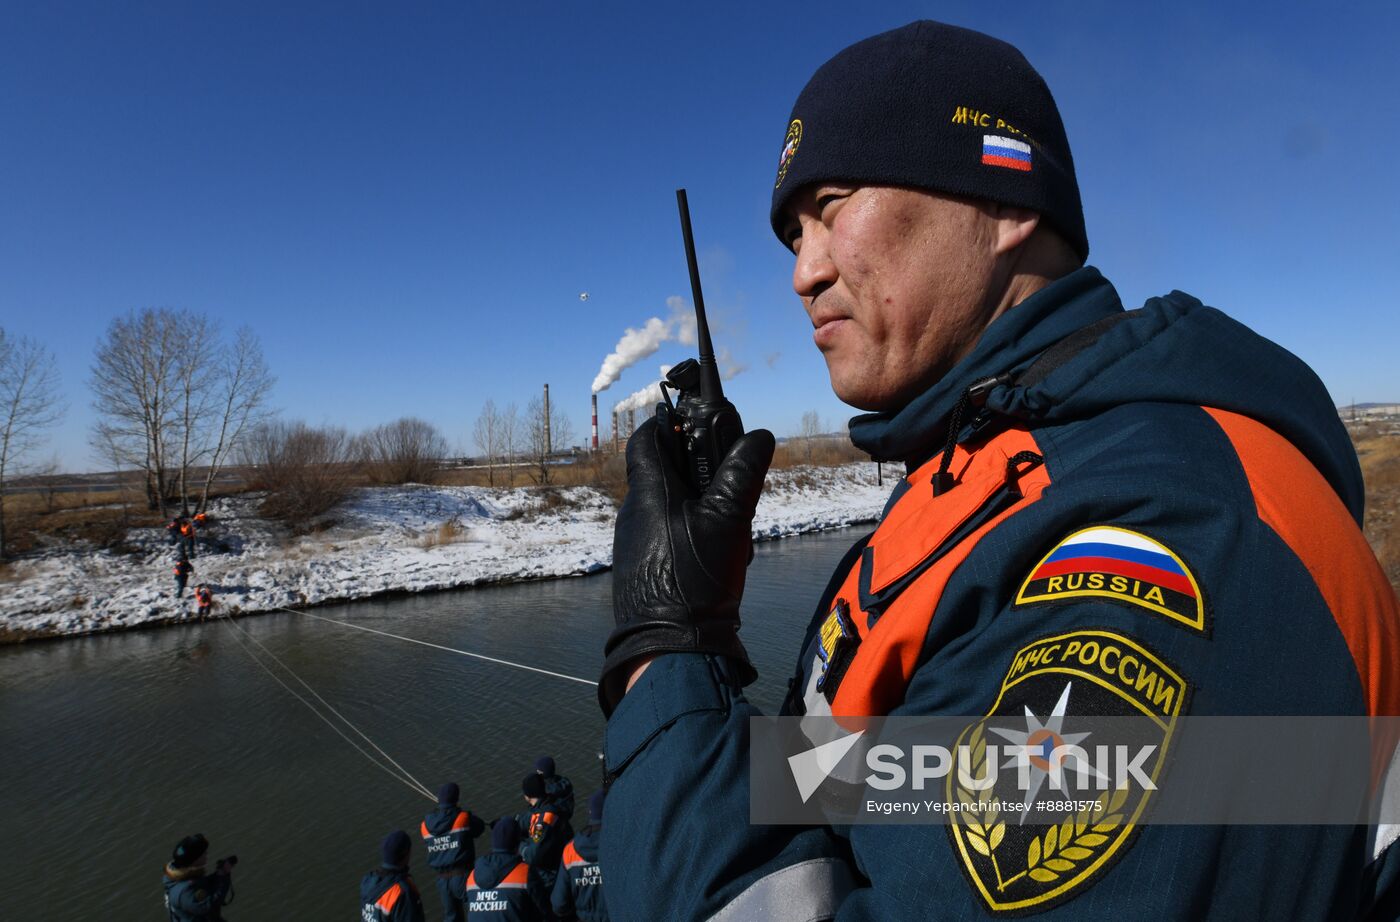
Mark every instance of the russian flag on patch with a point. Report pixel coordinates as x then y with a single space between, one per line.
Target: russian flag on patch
1007 152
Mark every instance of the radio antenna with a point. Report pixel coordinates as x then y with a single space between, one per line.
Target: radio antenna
710 388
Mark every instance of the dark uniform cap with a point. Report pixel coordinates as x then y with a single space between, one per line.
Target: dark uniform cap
189 850
395 849
449 793
934 107
544 765
532 786
505 835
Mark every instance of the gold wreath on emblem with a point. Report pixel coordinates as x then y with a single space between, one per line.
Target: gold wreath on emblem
1059 851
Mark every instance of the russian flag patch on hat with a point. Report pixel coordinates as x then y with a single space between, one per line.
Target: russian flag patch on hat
1007 152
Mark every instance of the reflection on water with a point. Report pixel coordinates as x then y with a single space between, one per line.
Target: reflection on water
117 746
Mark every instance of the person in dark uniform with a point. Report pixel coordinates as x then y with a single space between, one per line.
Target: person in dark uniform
1151 511
388 893
183 570
191 894
498 888
546 831
558 790
578 891
447 834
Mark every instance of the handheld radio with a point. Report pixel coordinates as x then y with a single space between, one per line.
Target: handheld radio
701 423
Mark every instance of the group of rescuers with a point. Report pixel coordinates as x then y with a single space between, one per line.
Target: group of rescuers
180 532
538 868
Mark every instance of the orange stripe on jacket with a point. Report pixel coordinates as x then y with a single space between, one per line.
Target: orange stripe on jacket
571 855
879 675
426 833
519 874
1301 507
389 898
463 820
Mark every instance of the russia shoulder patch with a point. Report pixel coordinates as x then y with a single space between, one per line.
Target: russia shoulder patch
1108 562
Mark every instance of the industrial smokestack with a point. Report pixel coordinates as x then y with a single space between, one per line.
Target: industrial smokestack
548 446
595 423
617 436
631 421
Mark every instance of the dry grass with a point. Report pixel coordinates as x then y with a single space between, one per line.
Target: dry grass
448 532
821 452
1378 447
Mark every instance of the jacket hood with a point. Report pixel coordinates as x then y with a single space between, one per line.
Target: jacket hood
492 868
1173 349
174 875
439 822
586 842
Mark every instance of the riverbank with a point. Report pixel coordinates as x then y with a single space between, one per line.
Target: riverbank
385 540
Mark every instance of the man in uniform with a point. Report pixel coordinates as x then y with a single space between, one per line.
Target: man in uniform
183 569
448 833
498 889
388 893
546 832
191 894
1160 486
557 789
578 891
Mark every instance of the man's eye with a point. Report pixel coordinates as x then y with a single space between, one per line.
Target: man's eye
824 200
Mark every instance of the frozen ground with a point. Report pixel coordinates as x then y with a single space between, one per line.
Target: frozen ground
401 539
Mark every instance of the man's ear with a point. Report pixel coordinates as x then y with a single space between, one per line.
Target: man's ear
1014 226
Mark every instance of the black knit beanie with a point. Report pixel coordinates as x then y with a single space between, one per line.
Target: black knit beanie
934 107
395 848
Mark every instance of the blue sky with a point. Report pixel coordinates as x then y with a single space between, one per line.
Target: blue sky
404 201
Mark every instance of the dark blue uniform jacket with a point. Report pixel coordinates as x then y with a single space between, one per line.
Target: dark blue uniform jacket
559 791
498 890
191 895
447 834
389 895
578 891
1168 440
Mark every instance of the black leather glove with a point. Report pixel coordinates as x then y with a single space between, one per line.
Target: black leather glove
679 558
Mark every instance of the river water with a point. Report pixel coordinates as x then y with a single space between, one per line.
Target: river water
114 747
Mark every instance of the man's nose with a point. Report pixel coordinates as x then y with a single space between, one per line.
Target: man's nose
813 272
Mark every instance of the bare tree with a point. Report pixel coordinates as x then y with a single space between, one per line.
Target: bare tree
408 450
133 380
306 472
810 430
172 395
194 375
539 436
29 404
487 435
241 388
510 440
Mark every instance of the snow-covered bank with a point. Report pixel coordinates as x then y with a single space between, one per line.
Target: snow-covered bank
402 539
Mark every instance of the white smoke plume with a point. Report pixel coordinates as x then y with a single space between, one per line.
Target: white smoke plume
647 397
728 367
682 320
634 346
637 344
